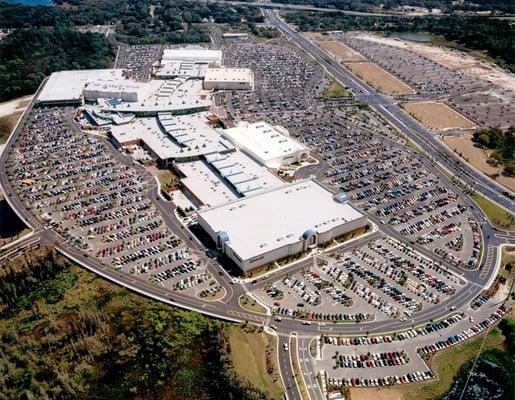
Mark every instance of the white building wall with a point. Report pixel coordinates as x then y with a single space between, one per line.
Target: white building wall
282 252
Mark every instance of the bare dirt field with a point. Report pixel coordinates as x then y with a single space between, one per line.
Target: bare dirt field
10 112
379 78
452 59
437 116
464 147
375 393
342 52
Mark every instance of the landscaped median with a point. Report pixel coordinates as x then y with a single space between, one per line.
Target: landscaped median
296 368
498 216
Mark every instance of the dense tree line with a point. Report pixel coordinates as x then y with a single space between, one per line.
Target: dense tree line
67 334
495 36
503 142
28 55
507 326
131 18
19 279
44 39
507 6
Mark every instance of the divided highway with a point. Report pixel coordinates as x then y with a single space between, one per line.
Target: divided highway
388 108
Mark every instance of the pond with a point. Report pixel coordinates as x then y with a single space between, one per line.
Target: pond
415 37
10 224
489 380
32 2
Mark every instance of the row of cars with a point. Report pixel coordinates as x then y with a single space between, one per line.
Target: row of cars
389 380
466 334
371 360
412 333
319 316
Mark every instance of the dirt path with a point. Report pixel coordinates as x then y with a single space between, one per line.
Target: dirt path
12 106
10 112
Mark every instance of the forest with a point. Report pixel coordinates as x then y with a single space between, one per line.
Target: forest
67 334
495 36
449 6
44 39
28 55
503 144
131 18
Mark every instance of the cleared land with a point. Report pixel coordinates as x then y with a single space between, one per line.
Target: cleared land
253 355
437 116
341 51
498 216
464 147
453 59
379 78
10 112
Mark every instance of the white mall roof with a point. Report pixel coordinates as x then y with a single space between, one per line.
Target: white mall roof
68 85
224 177
205 183
171 137
194 54
182 68
122 85
164 95
278 217
264 141
228 75
243 173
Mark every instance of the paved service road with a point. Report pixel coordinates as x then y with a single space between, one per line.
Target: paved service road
286 368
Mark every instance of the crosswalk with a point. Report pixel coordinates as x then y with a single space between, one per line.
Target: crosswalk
246 316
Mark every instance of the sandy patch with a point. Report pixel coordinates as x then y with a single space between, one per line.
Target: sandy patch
341 51
12 106
375 394
464 147
452 59
10 113
379 78
437 116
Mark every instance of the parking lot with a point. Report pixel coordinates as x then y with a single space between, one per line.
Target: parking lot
139 59
380 280
284 81
78 187
360 154
398 358
394 184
